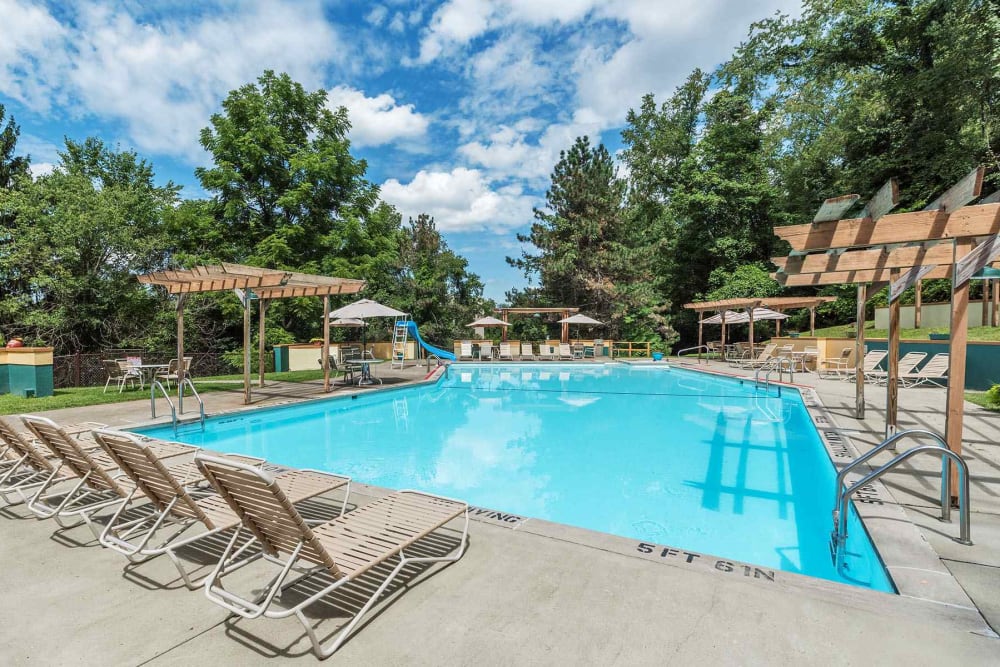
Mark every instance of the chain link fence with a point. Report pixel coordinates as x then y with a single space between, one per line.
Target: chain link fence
87 370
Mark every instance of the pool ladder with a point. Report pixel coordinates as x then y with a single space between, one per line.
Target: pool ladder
779 364
696 347
180 393
838 537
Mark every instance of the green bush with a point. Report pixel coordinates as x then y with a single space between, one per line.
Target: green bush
993 395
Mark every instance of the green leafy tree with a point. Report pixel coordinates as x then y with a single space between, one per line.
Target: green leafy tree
590 256
78 237
11 166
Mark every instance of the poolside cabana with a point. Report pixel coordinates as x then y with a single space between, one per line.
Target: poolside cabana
948 239
250 283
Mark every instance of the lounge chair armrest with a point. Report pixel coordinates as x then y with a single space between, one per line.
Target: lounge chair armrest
325 473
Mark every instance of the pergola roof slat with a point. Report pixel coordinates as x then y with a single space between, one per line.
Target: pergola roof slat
267 283
870 259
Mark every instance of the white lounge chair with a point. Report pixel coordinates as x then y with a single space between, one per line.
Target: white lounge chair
98 482
565 352
907 365
765 357
465 351
526 353
869 363
837 366
337 552
934 372
505 353
486 351
545 352
175 505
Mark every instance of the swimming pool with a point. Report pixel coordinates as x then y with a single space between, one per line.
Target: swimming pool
668 456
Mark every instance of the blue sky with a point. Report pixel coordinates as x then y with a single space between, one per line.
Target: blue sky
460 107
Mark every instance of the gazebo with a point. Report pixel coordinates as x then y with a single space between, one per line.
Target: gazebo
250 283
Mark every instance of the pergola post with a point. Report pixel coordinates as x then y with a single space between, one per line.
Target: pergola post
326 343
564 338
986 303
995 317
777 328
262 308
812 322
723 315
958 338
180 352
246 350
859 355
918 297
892 375
750 334
701 316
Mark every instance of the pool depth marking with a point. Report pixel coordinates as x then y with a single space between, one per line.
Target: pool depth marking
674 555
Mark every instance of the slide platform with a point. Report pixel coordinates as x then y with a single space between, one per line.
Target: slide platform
436 351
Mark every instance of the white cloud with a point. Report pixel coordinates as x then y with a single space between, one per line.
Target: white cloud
455 23
162 80
41 168
377 15
461 200
508 152
378 120
32 46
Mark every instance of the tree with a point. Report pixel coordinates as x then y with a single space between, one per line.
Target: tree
589 255
78 237
11 167
434 284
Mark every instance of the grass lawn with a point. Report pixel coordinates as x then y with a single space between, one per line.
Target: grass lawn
980 399
79 396
975 333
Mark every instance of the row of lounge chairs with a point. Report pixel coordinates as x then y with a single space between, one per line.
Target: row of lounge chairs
164 496
521 352
934 372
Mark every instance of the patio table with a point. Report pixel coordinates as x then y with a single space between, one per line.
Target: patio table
365 365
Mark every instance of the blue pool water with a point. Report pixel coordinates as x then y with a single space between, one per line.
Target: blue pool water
665 456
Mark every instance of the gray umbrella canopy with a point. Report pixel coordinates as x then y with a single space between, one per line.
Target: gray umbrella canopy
488 321
579 318
347 322
359 310
363 309
732 317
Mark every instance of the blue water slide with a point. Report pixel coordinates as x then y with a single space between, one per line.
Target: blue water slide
436 351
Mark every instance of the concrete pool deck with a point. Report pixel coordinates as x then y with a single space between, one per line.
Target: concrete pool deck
528 591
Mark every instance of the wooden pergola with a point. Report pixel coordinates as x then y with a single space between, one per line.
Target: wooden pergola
564 311
948 239
777 303
250 283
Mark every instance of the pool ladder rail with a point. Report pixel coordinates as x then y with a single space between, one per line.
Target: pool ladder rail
180 394
696 347
780 364
838 537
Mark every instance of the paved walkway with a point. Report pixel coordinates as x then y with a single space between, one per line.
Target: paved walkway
527 591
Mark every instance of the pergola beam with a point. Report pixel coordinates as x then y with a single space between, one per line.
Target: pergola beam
980 220
870 259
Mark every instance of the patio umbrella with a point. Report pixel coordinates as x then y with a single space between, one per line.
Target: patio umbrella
488 321
579 318
362 310
732 317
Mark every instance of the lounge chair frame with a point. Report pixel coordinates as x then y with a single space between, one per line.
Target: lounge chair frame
357 525
175 504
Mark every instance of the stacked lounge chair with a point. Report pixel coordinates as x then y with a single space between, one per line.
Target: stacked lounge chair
934 372
907 365
123 472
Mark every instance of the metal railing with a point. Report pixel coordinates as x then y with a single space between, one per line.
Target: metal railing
696 347
152 401
197 396
838 537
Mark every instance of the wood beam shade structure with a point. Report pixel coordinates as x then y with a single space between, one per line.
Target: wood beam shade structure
564 311
779 303
250 283
938 242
